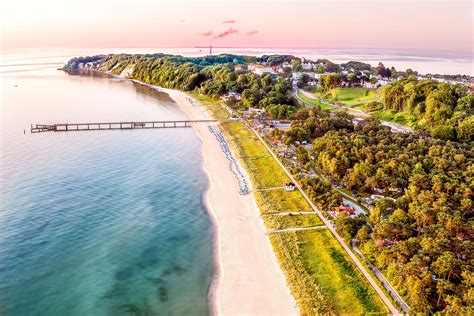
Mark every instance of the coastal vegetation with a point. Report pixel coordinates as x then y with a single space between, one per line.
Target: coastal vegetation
444 110
418 233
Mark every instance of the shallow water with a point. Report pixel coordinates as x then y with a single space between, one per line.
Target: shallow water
98 223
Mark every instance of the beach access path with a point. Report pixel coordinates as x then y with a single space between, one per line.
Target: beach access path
249 280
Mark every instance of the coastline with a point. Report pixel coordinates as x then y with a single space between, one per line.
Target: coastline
248 278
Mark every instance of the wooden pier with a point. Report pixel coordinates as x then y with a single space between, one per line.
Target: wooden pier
74 127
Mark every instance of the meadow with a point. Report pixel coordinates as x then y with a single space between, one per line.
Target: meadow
353 96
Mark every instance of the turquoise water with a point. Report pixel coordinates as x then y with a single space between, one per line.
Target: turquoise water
99 223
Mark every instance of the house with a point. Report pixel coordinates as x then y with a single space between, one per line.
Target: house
290 186
307 66
261 70
378 190
297 76
238 68
232 95
358 122
369 85
344 210
398 190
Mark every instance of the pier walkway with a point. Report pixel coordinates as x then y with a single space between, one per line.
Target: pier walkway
74 127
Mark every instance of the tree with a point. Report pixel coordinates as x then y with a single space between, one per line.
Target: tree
443 132
302 154
330 81
465 129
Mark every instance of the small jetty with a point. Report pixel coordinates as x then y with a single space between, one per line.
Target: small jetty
74 127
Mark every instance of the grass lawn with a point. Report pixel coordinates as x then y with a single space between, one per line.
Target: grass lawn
353 96
260 164
270 202
396 117
344 284
212 106
312 102
287 221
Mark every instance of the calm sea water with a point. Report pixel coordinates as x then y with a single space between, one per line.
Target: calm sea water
97 223
423 61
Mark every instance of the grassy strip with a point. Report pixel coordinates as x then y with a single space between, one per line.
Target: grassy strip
313 102
337 274
287 221
216 111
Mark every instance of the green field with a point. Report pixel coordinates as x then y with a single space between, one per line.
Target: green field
396 117
353 96
312 102
292 220
349 291
216 111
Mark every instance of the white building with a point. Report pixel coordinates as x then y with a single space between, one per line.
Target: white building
261 70
307 66
297 75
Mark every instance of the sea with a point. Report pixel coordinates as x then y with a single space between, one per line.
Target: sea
98 222
113 222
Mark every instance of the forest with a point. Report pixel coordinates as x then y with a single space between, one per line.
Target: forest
444 110
421 237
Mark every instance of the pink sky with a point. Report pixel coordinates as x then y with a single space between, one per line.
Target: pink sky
418 24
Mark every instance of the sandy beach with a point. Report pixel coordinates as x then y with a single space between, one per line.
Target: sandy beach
249 280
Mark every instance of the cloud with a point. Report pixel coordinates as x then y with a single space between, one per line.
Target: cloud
226 33
206 33
228 21
253 32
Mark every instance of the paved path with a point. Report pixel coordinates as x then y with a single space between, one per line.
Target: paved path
381 277
294 229
354 258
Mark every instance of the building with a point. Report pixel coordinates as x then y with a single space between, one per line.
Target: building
343 210
358 122
232 95
307 66
369 85
297 76
238 68
290 186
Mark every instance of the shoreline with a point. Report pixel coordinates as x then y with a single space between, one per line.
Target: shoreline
256 286
229 291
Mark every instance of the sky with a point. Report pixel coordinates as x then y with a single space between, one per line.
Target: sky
402 24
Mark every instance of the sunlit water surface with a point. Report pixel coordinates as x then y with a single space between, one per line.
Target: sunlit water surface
97 223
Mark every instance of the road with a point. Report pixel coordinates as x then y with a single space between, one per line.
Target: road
381 277
326 222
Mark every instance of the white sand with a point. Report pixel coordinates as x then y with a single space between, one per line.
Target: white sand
249 280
